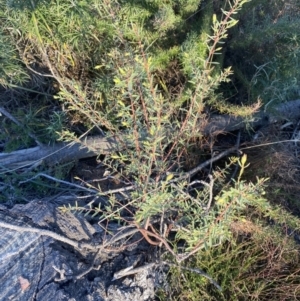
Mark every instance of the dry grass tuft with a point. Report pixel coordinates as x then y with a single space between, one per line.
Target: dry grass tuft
273 157
244 227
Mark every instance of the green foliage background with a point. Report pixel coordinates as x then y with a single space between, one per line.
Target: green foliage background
264 50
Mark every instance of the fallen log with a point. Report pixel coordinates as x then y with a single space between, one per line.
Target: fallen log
226 123
93 146
59 153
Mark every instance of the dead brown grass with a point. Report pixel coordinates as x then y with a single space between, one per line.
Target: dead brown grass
278 161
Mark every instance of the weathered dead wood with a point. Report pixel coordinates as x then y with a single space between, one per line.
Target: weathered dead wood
92 146
59 153
36 262
225 123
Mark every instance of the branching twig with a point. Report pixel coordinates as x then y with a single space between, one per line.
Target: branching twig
119 237
91 190
198 271
131 271
118 190
73 243
193 171
48 233
208 162
63 277
59 181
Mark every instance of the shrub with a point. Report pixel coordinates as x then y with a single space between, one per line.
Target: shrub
144 72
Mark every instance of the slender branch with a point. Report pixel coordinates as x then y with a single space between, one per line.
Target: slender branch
59 181
194 270
48 233
193 171
131 271
118 190
119 237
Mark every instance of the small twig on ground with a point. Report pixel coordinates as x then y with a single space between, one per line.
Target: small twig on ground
91 190
90 268
73 243
198 271
119 237
131 271
59 181
119 190
42 232
208 162
63 277
270 143
193 171
61 273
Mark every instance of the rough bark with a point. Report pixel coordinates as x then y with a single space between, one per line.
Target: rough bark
37 267
59 153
